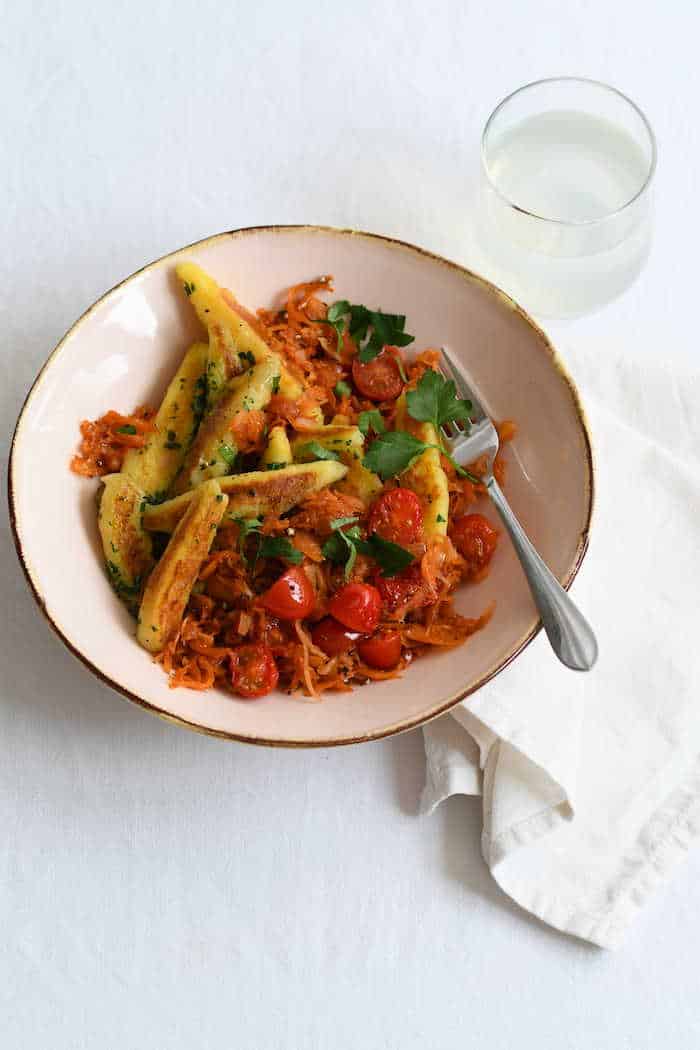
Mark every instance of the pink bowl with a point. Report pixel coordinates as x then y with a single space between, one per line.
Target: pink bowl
122 351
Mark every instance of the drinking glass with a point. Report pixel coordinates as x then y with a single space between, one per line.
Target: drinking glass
565 200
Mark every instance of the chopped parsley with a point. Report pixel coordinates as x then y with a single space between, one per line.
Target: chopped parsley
199 401
247 355
342 389
275 466
275 384
128 428
227 453
189 288
120 585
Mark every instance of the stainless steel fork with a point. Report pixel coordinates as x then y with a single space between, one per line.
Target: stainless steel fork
568 632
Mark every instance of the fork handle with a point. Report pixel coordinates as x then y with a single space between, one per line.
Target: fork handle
569 634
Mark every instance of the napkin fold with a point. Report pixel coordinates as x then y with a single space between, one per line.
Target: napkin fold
591 782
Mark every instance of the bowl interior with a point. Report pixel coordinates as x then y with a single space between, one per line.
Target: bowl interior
122 352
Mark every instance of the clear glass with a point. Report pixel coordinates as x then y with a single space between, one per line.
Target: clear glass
564 215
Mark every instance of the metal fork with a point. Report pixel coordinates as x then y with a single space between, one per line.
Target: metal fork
568 632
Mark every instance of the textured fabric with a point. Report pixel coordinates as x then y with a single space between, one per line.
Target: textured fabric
591 783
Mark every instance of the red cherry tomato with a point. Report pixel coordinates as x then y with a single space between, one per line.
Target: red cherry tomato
357 606
397 590
253 671
397 516
475 539
332 637
380 379
382 650
291 597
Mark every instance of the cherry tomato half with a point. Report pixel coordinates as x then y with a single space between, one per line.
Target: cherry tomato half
253 671
291 597
332 637
382 650
357 606
397 516
380 379
397 590
475 539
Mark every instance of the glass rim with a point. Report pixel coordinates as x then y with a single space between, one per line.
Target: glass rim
547 218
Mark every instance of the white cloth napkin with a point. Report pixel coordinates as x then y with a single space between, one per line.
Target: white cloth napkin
591 783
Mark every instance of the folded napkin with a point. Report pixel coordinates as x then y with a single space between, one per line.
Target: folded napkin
591 782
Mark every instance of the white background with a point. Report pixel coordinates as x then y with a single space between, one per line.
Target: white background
160 889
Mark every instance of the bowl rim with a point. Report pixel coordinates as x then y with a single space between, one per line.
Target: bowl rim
444 704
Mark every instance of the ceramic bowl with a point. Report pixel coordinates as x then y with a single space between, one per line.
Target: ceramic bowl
121 353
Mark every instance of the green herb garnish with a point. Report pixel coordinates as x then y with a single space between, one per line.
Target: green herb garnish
335 319
189 288
392 453
371 420
342 389
128 428
278 547
246 526
391 558
199 401
341 545
247 355
435 401
344 544
275 466
227 453
374 326
316 451
275 384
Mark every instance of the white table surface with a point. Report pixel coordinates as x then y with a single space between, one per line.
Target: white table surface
160 889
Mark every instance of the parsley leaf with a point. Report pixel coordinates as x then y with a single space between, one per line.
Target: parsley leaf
340 523
387 330
391 558
247 356
316 451
336 311
245 527
278 547
128 428
341 545
335 318
342 389
275 384
275 466
378 328
392 453
371 420
344 544
435 401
